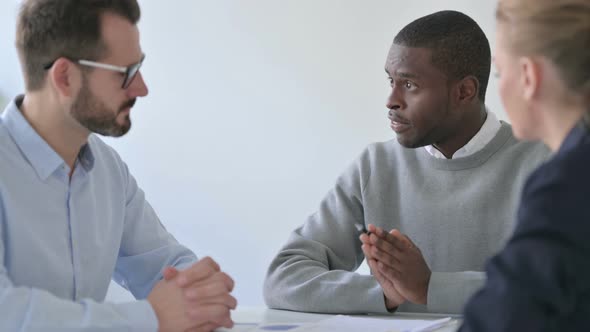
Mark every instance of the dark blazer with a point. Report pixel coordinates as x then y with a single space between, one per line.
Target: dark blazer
541 280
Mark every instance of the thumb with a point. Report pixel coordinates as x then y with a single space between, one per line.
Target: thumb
169 273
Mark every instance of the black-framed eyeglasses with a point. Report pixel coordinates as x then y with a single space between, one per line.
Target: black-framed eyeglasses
130 71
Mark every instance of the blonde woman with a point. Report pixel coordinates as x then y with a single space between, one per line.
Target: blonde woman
541 280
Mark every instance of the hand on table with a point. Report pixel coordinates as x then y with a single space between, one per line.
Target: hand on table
206 292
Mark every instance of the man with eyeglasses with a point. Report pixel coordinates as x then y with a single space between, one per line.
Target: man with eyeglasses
71 215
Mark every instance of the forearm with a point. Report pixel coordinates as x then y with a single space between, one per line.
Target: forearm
313 271
26 309
146 246
303 285
139 273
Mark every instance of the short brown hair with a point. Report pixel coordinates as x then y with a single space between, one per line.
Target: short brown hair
49 29
556 29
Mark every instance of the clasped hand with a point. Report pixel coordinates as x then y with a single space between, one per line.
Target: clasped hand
197 299
398 265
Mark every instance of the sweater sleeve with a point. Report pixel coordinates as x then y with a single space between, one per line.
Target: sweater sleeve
312 272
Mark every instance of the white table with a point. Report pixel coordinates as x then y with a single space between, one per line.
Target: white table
263 315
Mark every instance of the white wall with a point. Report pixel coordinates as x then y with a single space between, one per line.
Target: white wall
10 77
255 107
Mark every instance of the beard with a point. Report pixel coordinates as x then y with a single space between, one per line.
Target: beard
95 116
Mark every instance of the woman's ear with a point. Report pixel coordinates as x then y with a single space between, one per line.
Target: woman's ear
530 77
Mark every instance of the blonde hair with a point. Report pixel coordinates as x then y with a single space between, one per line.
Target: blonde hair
556 29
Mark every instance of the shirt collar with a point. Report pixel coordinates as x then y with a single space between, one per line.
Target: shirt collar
35 149
486 133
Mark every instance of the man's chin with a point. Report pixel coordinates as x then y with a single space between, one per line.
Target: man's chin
123 128
409 144
121 131
115 131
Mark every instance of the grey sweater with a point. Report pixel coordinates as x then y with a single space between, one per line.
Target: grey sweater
459 212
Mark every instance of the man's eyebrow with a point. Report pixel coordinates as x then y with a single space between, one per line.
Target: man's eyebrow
406 74
402 74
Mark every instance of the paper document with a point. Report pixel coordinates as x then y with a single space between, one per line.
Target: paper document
255 327
355 324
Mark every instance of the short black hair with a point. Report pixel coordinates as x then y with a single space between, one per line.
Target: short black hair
459 47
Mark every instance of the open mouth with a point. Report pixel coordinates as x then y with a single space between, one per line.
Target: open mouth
398 124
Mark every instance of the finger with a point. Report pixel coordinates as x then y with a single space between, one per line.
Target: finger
229 282
205 290
228 322
385 257
376 273
394 237
198 271
169 273
219 277
207 327
382 244
403 238
392 294
391 274
365 238
386 273
371 228
214 313
374 268
367 251
226 300
400 252
381 279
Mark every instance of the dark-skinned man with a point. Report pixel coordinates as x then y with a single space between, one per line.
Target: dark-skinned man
437 202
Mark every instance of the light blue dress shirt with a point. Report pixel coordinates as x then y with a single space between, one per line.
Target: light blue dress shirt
62 240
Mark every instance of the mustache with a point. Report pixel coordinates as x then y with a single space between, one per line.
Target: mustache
392 116
127 104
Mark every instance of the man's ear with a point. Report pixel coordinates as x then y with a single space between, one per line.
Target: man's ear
63 75
467 90
530 77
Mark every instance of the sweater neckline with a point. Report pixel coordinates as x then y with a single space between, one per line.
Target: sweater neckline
500 139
